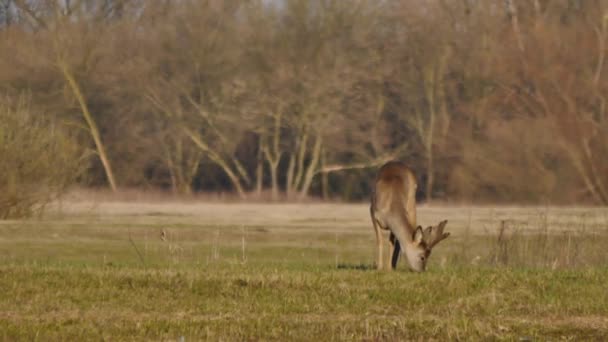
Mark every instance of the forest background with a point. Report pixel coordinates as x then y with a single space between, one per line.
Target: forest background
488 101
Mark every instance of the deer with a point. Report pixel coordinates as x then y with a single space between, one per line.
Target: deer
393 208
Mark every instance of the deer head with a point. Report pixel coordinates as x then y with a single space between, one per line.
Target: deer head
423 241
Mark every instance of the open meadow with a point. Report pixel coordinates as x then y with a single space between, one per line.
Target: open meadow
202 169
188 271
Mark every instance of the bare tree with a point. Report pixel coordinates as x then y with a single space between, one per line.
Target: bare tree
421 62
74 51
572 97
198 91
304 97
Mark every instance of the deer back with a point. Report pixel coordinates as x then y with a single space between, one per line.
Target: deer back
395 192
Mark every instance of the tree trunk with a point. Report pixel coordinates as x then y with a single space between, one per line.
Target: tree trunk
324 177
296 168
290 175
274 181
430 88
172 174
234 179
93 130
236 182
300 167
312 167
512 7
429 176
580 167
259 172
594 174
273 165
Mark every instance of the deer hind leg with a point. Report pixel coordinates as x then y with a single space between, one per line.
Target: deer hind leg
395 250
379 256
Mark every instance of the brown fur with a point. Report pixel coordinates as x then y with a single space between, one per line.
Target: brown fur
393 207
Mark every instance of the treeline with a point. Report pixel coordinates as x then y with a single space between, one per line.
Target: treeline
487 100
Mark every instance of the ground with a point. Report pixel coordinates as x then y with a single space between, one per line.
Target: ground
173 270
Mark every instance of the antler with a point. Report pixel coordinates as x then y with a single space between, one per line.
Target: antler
434 235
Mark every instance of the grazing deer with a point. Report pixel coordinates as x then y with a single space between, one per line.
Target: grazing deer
393 208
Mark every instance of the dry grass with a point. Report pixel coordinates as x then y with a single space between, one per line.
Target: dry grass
479 219
298 272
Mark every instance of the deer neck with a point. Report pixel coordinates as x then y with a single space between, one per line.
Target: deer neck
404 233
400 226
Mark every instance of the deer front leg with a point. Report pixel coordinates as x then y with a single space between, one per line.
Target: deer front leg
379 256
379 247
395 251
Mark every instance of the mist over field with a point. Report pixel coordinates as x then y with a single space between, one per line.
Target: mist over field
202 169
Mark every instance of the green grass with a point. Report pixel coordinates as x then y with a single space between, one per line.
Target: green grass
78 276
302 303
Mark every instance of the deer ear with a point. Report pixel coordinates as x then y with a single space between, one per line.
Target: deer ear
426 233
418 234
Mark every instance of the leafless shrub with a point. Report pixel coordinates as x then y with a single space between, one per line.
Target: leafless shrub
38 160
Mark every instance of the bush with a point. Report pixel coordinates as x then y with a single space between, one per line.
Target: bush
38 160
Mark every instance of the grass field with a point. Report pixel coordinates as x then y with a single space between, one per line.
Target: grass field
102 271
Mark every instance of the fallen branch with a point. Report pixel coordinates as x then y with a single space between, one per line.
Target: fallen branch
342 167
